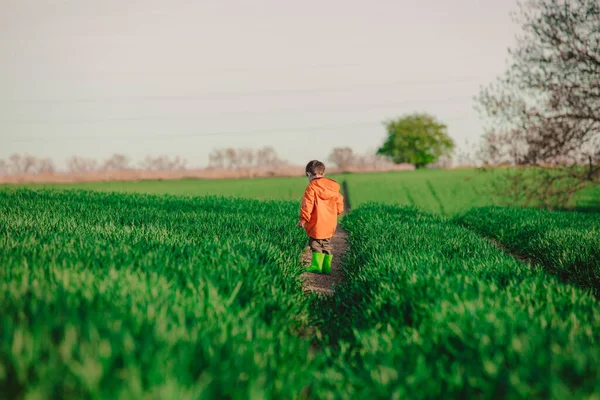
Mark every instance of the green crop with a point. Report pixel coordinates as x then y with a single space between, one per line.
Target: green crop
566 243
445 192
112 295
432 310
129 296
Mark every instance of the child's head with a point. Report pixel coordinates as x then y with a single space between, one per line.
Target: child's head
315 169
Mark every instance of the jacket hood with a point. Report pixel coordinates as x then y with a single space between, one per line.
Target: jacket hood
326 188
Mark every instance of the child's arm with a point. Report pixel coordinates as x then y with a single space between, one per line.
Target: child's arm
340 204
308 203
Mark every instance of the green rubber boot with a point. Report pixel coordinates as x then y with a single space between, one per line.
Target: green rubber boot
317 263
327 263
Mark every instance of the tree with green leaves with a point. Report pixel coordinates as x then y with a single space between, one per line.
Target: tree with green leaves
418 139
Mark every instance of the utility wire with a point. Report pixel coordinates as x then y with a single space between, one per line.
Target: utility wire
267 92
176 135
195 117
313 128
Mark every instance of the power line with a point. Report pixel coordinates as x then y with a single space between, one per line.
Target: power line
196 116
267 92
203 70
313 128
176 135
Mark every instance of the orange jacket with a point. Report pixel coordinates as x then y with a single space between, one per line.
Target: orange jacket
321 204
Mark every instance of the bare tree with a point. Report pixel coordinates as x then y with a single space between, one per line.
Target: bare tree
14 164
247 158
216 159
545 110
231 157
117 162
374 161
466 155
267 157
236 159
25 164
45 166
4 168
163 163
77 164
177 164
342 157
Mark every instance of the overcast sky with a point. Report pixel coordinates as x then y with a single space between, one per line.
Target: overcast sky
91 78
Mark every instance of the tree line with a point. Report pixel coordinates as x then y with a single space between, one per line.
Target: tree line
231 159
18 164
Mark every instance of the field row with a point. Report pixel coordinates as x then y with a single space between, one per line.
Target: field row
566 244
119 295
432 310
125 296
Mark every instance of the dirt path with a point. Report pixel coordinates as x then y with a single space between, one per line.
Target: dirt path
520 258
326 283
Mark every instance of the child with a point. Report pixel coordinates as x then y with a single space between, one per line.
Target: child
321 205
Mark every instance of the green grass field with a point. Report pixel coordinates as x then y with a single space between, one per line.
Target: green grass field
432 310
566 243
444 192
118 295
131 296
159 289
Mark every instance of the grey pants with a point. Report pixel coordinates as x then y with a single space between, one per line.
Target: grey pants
320 245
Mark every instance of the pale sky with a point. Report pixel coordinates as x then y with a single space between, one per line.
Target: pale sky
96 77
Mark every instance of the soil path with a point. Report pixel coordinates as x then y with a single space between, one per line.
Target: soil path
522 259
326 284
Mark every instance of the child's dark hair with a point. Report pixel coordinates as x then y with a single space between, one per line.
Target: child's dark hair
315 167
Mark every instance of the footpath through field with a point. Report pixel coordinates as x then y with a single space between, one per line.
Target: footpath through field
326 284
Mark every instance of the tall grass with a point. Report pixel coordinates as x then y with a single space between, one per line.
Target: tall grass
432 310
109 295
566 243
130 296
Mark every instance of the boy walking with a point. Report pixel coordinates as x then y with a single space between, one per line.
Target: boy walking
321 204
